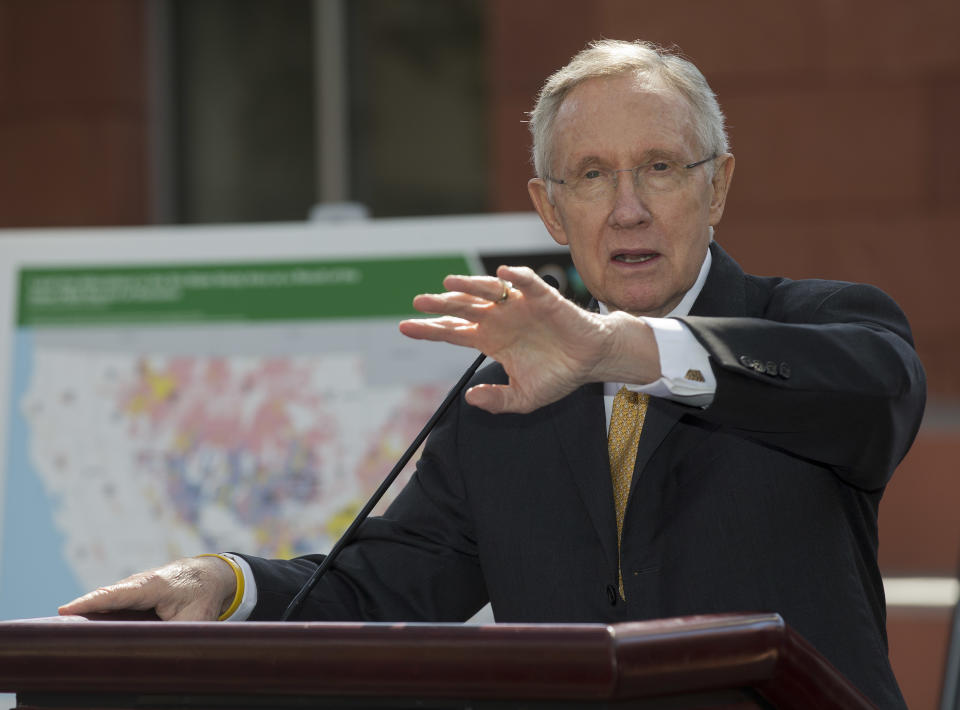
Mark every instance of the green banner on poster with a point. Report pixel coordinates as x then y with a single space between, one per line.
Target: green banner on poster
229 292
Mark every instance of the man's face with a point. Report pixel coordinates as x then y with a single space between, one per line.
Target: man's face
638 251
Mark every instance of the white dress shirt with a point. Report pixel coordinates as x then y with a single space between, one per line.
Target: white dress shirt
683 360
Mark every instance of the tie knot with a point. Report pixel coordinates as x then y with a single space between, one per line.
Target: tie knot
626 420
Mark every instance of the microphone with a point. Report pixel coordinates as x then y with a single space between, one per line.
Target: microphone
296 603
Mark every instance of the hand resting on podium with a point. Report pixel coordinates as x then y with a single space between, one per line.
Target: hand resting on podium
189 589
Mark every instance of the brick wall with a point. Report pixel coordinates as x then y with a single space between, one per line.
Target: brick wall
73 114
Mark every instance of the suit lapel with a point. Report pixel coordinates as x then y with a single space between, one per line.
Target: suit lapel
656 425
722 294
724 291
580 423
582 431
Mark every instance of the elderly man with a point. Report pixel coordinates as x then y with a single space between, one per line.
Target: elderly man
704 441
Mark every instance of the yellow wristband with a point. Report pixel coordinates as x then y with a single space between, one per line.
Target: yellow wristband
238 595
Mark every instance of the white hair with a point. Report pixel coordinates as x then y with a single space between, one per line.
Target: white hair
644 60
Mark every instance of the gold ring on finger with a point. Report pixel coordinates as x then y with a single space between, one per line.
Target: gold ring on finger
505 287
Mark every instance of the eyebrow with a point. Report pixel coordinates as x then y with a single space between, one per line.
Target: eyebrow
586 161
648 157
660 154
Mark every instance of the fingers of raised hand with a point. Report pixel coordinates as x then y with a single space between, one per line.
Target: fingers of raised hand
489 289
498 399
471 297
519 276
457 331
492 398
452 303
507 283
526 280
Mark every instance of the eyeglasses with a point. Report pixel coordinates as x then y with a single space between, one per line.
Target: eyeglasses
596 184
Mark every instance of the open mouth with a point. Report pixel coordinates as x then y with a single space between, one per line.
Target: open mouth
633 258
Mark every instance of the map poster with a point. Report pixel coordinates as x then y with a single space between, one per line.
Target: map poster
162 410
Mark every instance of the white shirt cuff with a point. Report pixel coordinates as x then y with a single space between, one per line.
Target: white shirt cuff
249 599
686 375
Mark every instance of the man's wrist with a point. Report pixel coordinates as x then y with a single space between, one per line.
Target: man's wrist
631 353
232 582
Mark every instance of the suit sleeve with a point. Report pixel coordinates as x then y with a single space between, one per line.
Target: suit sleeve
829 373
418 562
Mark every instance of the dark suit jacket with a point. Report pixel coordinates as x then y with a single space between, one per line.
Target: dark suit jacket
764 501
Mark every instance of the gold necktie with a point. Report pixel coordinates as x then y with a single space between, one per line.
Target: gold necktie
626 422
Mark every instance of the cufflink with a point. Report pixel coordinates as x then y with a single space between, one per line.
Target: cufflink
694 376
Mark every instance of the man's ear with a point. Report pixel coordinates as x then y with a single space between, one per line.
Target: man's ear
722 177
549 215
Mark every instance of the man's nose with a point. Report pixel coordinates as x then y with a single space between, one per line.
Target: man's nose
629 206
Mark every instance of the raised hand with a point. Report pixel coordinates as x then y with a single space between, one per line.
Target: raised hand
547 345
189 589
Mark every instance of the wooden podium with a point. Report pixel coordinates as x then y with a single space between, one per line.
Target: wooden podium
723 661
